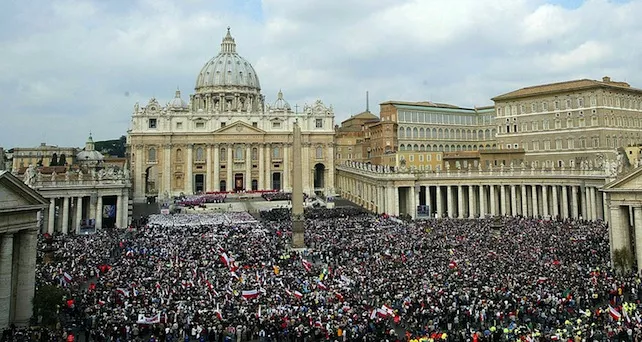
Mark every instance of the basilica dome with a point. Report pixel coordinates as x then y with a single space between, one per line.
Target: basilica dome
227 69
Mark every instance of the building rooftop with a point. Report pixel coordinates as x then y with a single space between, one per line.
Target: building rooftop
564 87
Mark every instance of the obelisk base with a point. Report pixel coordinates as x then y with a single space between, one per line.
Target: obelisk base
297 234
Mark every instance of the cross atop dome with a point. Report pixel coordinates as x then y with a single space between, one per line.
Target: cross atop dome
228 45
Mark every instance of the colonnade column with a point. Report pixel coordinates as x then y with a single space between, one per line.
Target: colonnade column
6 270
413 206
65 215
545 200
574 207
390 198
585 210
26 276
229 169
524 201
51 220
125 208
440 201
564 202
593 203
268 175
189 187
209 182
449 201
493 201
619 230
99 212
167 161
248 167
513 200
286 168
395 194
502 191
119 211
534 200
261 167
472 205
308 187
78 214
637 216
482 201
139 173
555 202
460 201
428 200
216 180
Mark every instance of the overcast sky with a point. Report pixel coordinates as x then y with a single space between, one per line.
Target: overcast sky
72 66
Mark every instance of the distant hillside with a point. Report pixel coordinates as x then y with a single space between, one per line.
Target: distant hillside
114 148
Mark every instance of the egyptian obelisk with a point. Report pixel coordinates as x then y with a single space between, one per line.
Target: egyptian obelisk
298 219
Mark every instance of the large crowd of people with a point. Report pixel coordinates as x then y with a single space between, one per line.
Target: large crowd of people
364 278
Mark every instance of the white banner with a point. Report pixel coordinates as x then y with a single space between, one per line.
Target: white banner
148 320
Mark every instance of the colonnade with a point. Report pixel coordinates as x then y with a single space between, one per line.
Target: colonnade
626 229
17 276
71 212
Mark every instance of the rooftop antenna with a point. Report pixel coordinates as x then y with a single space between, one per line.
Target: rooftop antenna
367 102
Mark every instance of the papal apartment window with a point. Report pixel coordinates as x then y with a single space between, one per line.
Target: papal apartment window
319 123
152 123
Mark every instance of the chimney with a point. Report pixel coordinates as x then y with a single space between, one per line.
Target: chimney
606 79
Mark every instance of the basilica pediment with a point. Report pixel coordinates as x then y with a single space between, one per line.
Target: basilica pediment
16 194
627 182
239 127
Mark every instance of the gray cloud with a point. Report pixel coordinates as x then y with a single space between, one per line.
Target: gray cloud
67 65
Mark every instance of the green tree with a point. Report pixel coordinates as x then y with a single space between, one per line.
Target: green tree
622 259
45 303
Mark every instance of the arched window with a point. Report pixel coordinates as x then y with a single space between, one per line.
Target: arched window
433 133
402 132
319 153
151 154
179 155
238 153
408 132
441 133
415 133
422 133
200 156
402 147
255 154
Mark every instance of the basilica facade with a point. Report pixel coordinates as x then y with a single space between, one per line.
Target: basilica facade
227 137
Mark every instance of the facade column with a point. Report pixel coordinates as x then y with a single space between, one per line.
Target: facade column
167 170
524 200
248 167
261 167
99 212
574 205
637 216
51 220
472 205
413 206
513 200
229 169
382 200
79 214
139 175
493 200
216 176
545 200
6 271
460 202
308 186
26 277
329 186
583 203
618 228
395 197
65 215
286 168
389 199
593 203
428 201
534 200
209 181
119 211
440 202
449 201
125 208
502 191
565 202
268 167
555 201
482 201
189 179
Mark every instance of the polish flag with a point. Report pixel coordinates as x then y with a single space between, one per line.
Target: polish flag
225 259
101 302
66 277
322 286
614 313
218 313
388 310
452 265
541 280
250 294
306 264
382 313
298 294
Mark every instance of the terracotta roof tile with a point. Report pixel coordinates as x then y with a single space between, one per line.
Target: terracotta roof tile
563 87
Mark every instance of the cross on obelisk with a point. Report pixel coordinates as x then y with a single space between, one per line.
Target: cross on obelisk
298 219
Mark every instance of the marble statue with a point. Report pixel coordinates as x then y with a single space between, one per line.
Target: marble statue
249 104
67 174
101 174
522 165
126 172
39 176
30 176
479 167
53 176
447 166
136 107
80 175
619 162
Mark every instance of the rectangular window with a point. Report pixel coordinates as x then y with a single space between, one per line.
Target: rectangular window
421 158
319 123
152 123
200 125
222 124
276 124
179 125
255 124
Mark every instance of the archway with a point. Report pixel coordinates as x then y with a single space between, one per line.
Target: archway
319 176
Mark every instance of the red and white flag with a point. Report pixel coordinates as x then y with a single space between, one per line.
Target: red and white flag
225 259
388 310
614 313
218 313
67 278
306 264
142 319
298 294
322 286
251 294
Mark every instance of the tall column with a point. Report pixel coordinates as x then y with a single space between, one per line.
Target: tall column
583 204
637 216
189 178
413 206
460 202
286 168
524 200
502 190
472 206
395 194
428 201
382 200
534 199
619 230
574 205
26 277
208 169
78 214
389 199
440 202
417 190
268 167
513 200
308 186
545 200
248 167
593 203
125 209
139 174
216 176
449 201
229 169
65 215
600 200
167 170
51 220
329 186
261 167
565 202
6 270
99 212
555 201
493 201
119 211
482 201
